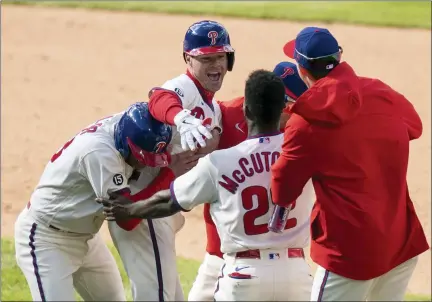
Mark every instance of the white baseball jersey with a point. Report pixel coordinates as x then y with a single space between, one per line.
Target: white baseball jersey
236 183
86 167
191 99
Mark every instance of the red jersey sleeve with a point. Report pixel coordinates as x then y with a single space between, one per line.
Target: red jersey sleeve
294 167
161 182
213 239
164 105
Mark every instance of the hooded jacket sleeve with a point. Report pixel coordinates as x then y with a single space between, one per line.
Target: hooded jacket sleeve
410 118
295 166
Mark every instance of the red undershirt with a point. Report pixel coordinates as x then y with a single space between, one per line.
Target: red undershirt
164 104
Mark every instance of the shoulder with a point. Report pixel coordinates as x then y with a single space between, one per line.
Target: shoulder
234 103
297 123
100 146
232 110
299 132
221 157
182 85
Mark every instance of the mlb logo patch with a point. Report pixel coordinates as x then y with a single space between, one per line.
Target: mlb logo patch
264 140
274 256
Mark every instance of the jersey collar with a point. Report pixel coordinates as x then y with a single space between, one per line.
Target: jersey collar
205 94
273 133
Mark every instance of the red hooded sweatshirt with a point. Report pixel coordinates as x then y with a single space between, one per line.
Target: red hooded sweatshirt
351 135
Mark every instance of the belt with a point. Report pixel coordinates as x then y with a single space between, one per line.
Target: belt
50 226
256 254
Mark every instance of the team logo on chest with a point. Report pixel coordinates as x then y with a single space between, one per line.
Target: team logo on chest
198 113
213 35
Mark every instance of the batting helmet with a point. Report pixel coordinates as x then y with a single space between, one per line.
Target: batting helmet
139 134
206 37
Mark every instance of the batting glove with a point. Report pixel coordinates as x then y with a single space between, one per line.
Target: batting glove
191 129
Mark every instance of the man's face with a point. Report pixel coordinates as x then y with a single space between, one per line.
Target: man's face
304 76
209 69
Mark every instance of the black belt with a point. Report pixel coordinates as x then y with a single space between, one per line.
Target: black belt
50 226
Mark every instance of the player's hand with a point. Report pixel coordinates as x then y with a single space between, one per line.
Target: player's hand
183 162
191 130
212 144
117 207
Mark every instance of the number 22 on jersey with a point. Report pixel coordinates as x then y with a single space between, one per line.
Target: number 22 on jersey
89 129
260 194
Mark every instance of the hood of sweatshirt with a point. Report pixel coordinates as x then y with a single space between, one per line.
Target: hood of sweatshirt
332 100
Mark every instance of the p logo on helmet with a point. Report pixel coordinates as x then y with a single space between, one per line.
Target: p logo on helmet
207 37
160 147
139 135
213 36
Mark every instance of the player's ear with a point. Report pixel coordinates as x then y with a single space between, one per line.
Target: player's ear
247 112
188 59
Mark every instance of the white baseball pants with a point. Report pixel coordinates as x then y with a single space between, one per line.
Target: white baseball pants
55 262
391 286
149 258
273 277
204 285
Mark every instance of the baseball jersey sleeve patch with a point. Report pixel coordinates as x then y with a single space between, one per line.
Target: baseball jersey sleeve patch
118 179
103 169
179 92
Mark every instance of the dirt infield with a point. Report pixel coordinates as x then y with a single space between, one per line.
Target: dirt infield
62 69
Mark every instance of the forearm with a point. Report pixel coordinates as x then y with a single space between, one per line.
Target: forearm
161 182
164 105
287 181
159 205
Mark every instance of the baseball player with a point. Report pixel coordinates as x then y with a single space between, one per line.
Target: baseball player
147 247
258 264
187 101
235 132
57 244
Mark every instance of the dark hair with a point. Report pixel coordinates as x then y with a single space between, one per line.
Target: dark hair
264 96
318 67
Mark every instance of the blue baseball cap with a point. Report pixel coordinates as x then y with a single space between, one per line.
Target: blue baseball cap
311 44
294 85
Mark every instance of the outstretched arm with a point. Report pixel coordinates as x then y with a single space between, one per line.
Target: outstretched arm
120 207
159 205
161 182
187 191
295 166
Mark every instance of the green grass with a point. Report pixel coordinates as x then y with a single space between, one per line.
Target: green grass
14 286
410 14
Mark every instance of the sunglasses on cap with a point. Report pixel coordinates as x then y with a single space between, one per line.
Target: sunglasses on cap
150 159
336 56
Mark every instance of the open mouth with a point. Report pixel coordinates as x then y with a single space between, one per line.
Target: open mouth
214 76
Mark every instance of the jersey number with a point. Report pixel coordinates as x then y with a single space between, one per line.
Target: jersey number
261 195
89 129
